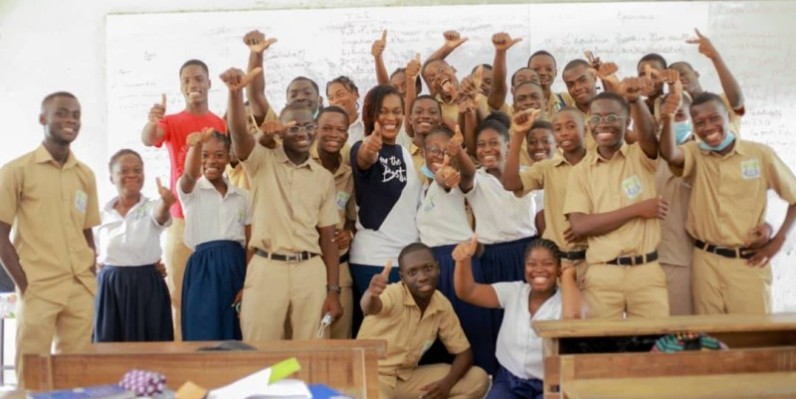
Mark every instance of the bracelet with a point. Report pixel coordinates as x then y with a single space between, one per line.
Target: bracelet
334 288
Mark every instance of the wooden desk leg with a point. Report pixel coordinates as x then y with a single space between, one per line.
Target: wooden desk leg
552 381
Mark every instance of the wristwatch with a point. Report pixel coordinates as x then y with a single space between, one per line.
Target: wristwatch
334 288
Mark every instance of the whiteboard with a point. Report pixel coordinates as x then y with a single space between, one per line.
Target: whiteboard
145 51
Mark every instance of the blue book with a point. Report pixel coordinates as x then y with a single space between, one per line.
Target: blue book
96 392
320 391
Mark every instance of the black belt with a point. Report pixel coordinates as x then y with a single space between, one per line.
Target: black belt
725 252
344 258
297 257
573 255
634 260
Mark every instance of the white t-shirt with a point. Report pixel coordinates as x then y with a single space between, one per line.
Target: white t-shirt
441 218
356 131
211 217
130 240
387 196
499 215
519 349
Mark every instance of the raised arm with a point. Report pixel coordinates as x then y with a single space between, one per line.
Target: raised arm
255 92
368 152
520 125
728 83
167 199
466 165
452 41
193 160
670 150
152 132
242 141
412 70
464 284
497 94
377 50
371 303
643 126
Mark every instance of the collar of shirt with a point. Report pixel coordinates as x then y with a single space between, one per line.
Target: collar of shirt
111 205
738 147
281 157
204 184
433 304
599 158
44 156
341 170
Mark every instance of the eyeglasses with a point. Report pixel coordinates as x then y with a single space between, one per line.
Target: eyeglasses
436 151
610 118
311 128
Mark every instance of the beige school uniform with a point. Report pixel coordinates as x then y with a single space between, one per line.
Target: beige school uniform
418 159
676 247
289 203
729 199
597 185
735 115
50 206
346 209
409 333
552 176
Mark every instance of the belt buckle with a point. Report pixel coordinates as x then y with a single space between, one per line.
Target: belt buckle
294 258
633 260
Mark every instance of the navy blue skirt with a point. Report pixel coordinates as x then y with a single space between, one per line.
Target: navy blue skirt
132 305
476 321
213 277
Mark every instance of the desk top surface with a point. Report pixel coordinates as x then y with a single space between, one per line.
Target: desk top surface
643 326
188 347
723 386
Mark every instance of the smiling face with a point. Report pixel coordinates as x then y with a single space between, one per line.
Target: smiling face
711 122
298 139
435 147
303 92
425 116
541 270
339 95
489 148
528 96
580 84
390 115
332 132
215 157
541 144
60 117
420 273
127 174
545 67
194 84
568 130
609 132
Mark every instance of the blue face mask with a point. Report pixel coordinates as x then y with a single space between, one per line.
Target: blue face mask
682 131
729 138
427 172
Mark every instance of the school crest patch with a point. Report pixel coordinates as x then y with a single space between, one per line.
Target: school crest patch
750 169
632 187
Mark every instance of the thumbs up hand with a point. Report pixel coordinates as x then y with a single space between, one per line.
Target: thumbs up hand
379 281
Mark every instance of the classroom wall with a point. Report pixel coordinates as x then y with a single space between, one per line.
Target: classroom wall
48 45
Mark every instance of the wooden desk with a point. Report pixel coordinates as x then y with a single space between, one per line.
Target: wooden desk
726 386
737 331
350 366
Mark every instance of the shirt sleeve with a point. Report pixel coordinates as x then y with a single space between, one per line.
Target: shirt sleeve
532 177
153 210
247 203
351 209
328 213
164 126
389 298
256 160
92 207
690 152
578 200
651 164
505 292
10 191
451 333
779 177
186 198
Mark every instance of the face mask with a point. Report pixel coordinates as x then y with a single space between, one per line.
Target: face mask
729 138
427 172
682 131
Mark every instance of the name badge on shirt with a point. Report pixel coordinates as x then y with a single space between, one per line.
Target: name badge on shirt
632 187
750 169
342 200
81 201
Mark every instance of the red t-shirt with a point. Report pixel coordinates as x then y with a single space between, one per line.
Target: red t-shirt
176 129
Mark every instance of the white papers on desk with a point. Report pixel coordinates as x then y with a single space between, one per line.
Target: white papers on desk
255 386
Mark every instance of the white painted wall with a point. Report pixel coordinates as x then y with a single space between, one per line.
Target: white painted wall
49 45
